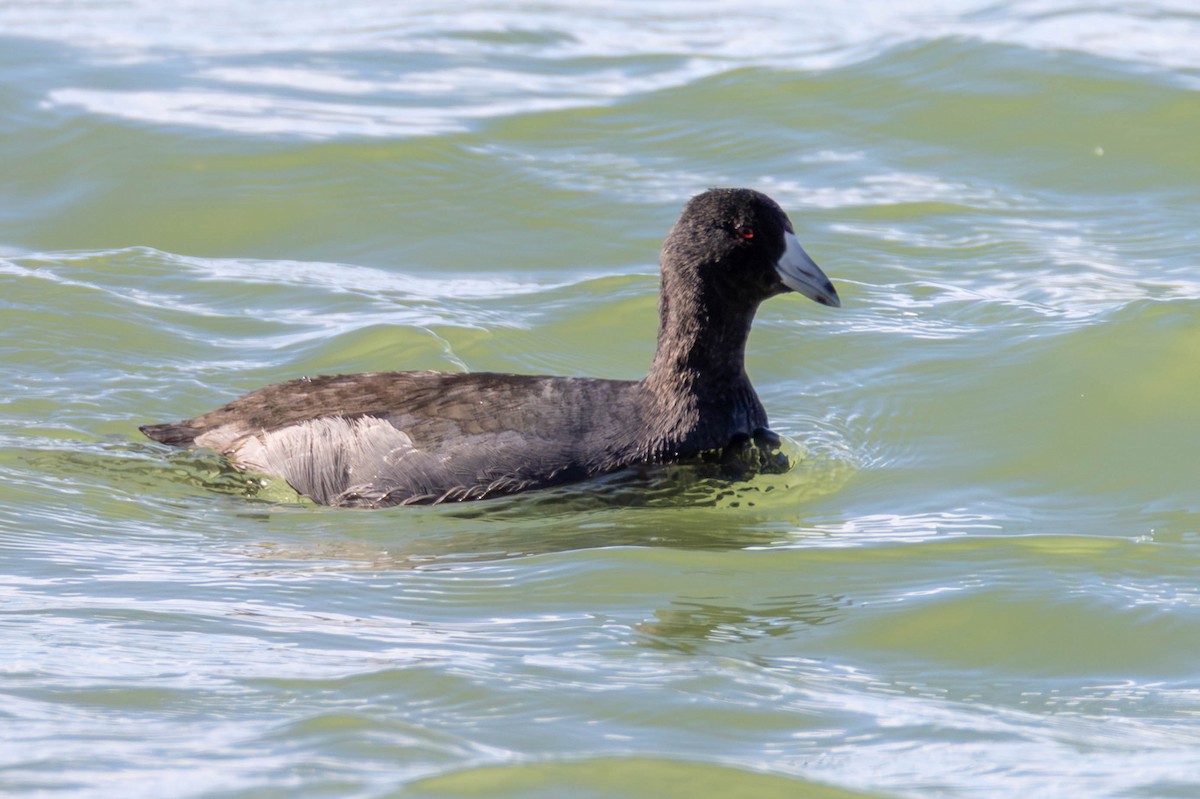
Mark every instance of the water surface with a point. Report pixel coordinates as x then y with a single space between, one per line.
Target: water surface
978 581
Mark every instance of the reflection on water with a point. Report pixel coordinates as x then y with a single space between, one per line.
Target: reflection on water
686 626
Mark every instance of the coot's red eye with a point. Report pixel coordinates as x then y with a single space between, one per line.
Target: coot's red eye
745 231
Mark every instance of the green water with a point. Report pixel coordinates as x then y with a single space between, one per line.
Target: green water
979 580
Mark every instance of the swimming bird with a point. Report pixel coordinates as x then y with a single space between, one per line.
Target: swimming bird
396 438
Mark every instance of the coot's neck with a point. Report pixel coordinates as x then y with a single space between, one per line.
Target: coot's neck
700 338
700 395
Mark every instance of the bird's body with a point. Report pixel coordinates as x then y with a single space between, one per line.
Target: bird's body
394 438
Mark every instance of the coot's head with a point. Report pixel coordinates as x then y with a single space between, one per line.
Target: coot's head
740 244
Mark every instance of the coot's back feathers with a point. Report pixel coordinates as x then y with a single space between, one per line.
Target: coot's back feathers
403 437
422 437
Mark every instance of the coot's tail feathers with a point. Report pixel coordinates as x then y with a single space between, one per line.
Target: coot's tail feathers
177 434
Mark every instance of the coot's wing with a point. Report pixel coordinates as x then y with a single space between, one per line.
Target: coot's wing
420 437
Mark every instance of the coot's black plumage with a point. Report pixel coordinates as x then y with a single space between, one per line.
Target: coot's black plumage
395 438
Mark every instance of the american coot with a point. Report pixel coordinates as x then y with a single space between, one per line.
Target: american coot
393 438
